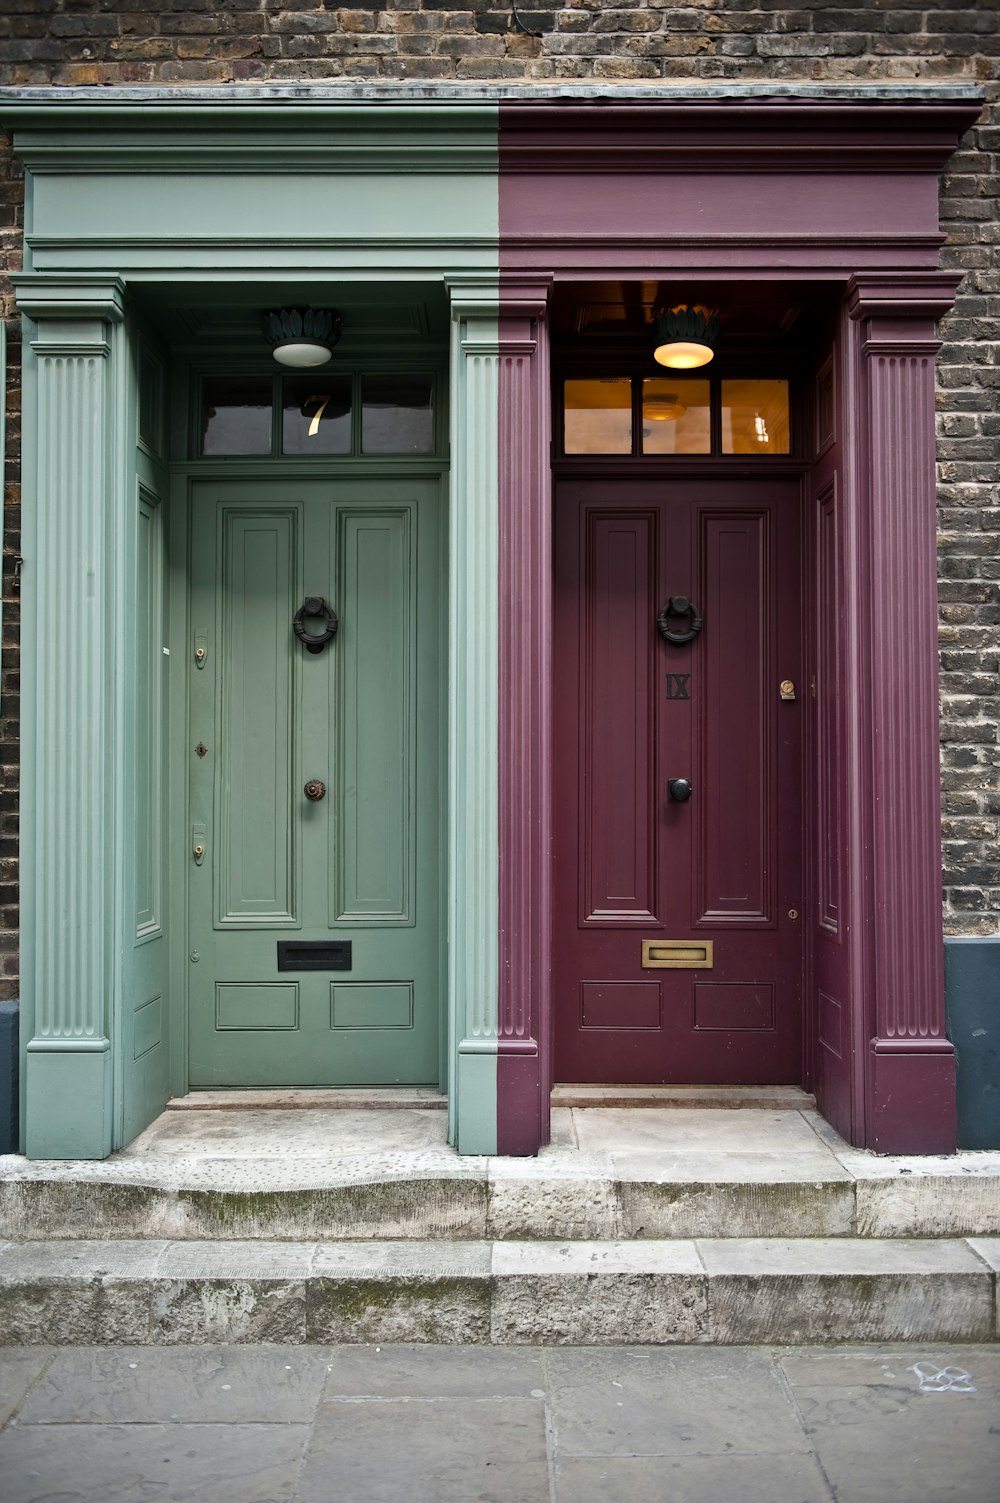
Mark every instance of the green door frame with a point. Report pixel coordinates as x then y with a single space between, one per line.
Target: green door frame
119 198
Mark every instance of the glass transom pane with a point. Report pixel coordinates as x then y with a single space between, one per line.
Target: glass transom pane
676 416
597 416
397 414
316 415
755 417
236 415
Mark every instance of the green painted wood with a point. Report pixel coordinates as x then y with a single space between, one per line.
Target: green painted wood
363 864
76 592
473 917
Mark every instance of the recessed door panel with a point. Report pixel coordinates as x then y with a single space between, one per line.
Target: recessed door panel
677 786
616 671
314 801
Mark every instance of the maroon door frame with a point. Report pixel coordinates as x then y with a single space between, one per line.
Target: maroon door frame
814 186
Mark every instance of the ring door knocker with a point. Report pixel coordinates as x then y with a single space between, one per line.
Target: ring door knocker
315 608
679 605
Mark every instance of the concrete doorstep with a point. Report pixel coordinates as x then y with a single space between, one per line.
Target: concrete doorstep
683 1292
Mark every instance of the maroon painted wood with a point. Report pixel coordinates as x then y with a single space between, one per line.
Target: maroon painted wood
911 1066
793 189
525 720
630 863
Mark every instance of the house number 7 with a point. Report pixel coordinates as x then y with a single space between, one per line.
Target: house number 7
314 425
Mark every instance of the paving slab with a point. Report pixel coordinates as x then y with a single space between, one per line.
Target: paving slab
461 1451
20 1370
203 1385
692 1479
427 1372
676 1402
257 1134
147 1463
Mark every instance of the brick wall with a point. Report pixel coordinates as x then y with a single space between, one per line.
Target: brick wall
181 42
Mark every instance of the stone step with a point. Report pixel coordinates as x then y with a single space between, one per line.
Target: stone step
715 1290
433 1193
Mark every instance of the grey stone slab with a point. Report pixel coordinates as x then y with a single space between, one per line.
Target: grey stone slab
673 1402
613 1130
150 1463
19 1372
692 1479
459 1452
828 1290
928 1205
587 1259
219 1384
988 1249
73 1312
749 1209
837 1255
81 1259
398 1309
892 1364
815 1166
236 1260
283 1134
890 1440
414 1206
429 1372
562 1129
599 1309
228 1310
374 1260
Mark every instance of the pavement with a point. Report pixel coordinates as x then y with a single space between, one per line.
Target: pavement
473 1424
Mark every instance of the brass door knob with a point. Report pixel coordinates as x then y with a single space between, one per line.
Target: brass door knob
315 790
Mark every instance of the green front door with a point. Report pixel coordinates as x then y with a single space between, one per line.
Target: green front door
314 936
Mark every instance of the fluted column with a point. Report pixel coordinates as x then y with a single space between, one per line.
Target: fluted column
525 719
911 1065
472 703
71 641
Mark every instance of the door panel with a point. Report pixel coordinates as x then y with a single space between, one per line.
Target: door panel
359 865
634 711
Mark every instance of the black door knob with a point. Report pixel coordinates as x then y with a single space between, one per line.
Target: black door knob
680 790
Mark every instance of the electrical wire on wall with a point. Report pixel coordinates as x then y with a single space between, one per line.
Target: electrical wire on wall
520 24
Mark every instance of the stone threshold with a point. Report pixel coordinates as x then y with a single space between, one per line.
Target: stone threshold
326 1098
662 1292
704 1098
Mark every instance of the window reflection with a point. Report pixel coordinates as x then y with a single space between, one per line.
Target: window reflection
755 417
397 414
676 416
236 415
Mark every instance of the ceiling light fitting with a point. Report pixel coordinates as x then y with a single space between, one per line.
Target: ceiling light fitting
686 337
302 337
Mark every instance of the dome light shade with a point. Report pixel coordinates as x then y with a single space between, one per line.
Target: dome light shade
302 338
686 337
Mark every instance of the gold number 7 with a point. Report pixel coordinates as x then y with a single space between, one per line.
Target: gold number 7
314 425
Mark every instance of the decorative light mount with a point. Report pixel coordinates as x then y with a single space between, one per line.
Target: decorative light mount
686 336
302 337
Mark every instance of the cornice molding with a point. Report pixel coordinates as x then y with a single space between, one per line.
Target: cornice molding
93 296
901 294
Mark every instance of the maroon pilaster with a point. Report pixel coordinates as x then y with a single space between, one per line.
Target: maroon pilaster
911 1066
525 719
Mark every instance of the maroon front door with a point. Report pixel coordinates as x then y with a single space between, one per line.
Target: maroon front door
710 883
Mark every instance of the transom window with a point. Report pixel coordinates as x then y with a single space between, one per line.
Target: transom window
675 414
306 414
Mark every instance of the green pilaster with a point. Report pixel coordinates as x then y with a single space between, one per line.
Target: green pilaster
73 762
473 915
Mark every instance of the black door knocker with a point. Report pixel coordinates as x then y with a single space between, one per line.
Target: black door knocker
314 607
679 605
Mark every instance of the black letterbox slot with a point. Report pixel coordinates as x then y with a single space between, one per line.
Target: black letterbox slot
314 955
